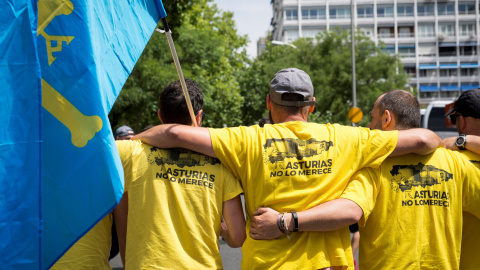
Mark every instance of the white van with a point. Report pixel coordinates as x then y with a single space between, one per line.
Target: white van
433 118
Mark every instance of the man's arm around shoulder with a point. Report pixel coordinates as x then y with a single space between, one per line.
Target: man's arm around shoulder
173 136
417 141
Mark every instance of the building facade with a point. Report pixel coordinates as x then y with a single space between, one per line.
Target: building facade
437 41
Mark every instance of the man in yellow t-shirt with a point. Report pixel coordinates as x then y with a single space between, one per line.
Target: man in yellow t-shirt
412 205
174 198
466 117
294 165
91 251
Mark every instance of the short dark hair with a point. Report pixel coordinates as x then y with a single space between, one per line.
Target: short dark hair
172 105
404 106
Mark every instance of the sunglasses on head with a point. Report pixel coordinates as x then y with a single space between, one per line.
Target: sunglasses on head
453 117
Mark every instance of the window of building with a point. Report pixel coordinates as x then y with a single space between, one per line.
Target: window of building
339 13
389 49
365 11
368 31
404 32
447 30
406 50
467 50
405 10
427 50
385 11
426 30
447 51
446 9
427 73
467 29
425 10
469 72
291 35
411 71
291 14
310 33
466 8
313 13
450 72
384 32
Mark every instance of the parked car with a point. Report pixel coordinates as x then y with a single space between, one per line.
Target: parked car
433 118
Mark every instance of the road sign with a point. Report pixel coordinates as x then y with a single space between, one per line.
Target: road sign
355 115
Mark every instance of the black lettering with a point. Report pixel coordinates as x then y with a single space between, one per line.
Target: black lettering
324 164
158 175
210 186
315 164
295 165
205 176
169 171
279 173
329 162
212 177
308 172
273 174
165 176
173 179
308 164
194 181
188 173
444 196
175 172
181 180
293 173
289 165
205 183
189 181
195 174
301 164
301 172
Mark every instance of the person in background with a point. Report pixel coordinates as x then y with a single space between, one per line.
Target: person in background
466 117
124 133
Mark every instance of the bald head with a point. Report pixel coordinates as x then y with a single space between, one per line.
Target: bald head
396 109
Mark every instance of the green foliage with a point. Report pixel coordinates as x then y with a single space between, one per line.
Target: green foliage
210 52
328 63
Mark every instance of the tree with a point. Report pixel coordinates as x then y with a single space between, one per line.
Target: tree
328 62
210 52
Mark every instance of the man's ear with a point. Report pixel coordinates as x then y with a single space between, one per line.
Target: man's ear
198 118
462 123
159 115
269 102
310 110
387 120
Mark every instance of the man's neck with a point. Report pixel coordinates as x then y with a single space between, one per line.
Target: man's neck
291 118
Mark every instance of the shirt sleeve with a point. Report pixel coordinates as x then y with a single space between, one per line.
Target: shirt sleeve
125 152
471 188
231 146
376 146
363 190
231 187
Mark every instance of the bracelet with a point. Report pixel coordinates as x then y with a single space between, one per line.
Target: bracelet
295 219
285 225
280 223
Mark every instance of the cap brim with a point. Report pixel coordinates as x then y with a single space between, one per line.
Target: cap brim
449 112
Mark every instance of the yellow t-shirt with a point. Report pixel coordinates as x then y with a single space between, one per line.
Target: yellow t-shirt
412 210
91 251
175 204
295 166
470 256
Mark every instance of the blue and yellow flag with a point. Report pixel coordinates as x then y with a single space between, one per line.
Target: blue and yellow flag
59 163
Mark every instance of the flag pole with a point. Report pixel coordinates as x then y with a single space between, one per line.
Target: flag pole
168 33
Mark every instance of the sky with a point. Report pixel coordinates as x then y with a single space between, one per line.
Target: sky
252 18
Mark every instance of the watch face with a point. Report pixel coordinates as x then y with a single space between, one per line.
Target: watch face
460 141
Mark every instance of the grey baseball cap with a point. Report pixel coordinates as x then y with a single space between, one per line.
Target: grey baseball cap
124 131
292 80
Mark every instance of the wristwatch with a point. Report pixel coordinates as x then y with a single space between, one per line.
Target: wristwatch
461 141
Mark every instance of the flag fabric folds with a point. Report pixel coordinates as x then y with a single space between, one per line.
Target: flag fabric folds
66 172
20 137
